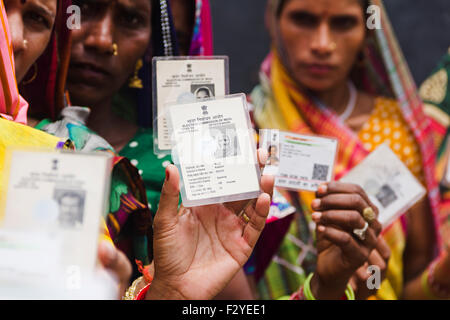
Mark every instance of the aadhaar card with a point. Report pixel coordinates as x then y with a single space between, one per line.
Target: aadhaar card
215 151
388 183
182 80
304 162
59 193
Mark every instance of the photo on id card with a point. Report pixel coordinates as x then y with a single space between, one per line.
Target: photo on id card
61 193
183 80
215 151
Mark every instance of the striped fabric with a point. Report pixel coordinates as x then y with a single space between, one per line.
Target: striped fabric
12 105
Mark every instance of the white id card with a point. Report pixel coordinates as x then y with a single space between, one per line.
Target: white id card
214 149
299 162
388 183
64 194
31 268
183 80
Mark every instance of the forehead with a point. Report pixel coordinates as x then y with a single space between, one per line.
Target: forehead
324 7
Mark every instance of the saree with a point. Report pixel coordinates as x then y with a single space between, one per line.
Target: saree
12 105
286 253
435 94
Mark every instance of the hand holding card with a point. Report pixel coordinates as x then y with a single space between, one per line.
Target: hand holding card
197 251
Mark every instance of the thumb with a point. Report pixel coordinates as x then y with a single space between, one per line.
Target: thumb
170 194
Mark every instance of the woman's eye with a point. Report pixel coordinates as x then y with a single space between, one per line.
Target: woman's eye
36 19
343 23
131 20
303 19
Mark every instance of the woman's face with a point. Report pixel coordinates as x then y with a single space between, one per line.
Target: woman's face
322 40
31 24
114 34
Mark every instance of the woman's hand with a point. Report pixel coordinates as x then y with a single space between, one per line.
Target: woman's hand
378 257
442 271
339 210
197 251
115 262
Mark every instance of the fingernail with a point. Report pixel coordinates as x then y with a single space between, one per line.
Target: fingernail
316 216
315 203
323 188
321 228
167 175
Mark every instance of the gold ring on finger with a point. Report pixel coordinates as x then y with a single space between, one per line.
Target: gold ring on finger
369 215
245 217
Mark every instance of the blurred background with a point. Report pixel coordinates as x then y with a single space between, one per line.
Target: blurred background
422 28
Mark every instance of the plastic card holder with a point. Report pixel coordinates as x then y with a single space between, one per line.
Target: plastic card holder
183 80
215 151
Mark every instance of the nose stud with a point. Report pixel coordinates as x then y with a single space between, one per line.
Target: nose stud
25 43
115 49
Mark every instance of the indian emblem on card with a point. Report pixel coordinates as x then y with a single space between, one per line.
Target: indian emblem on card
205 110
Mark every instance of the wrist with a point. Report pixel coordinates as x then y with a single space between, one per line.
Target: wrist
327 291
161 290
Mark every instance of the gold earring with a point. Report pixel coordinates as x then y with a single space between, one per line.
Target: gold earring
135 81
115 49
35 67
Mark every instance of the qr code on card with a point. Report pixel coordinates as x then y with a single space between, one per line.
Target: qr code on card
320 172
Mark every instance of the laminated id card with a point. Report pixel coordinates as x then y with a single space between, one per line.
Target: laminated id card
182 80
299 162
214 149
61 194
388 183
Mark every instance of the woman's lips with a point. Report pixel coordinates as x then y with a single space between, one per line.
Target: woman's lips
319 69
88 73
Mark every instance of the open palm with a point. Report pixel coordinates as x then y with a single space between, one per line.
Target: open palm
197 251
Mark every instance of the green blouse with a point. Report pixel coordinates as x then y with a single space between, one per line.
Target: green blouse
151 167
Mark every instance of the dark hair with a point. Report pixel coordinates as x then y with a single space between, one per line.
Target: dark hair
271 146
70 194
364 4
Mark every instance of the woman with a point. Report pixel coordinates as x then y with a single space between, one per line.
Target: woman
323 58
132 103
110 72
190 35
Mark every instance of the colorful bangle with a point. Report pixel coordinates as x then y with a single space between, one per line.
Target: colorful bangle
143 292
129 294
299 295
306 290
